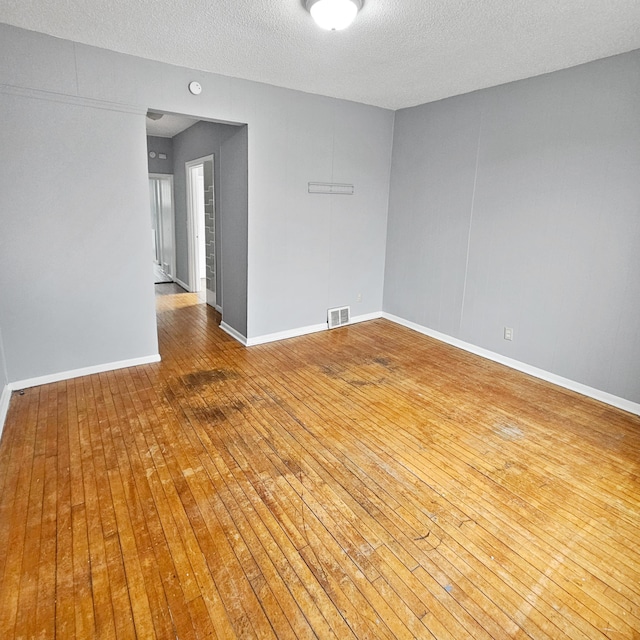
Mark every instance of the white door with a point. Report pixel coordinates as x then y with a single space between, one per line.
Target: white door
161 197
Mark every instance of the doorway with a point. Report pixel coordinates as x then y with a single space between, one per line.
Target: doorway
222 148
201 227
162 227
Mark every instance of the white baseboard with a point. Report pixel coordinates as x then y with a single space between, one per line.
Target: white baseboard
219 308
85 371
5 398
376 315
233 333
211 298
303 331
184 285
284 335
572 385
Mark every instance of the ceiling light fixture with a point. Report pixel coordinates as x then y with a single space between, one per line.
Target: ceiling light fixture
333 15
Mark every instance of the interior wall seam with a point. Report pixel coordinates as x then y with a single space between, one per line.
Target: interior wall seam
473 202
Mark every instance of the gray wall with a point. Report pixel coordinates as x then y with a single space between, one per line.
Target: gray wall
520 206
160 145
75 268
234 229
200 140
308 253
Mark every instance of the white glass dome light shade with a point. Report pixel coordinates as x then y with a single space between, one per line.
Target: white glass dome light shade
333 15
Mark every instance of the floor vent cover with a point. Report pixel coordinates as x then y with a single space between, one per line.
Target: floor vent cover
338 317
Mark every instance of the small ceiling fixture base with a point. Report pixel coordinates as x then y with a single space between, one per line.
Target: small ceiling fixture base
333 15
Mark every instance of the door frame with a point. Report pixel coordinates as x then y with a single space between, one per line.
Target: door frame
173 220
192 223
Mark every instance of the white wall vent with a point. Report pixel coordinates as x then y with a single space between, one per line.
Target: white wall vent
331 188
338 317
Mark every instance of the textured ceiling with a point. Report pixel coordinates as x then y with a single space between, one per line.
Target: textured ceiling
398 53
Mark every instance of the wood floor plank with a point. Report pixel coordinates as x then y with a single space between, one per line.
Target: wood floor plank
542 533
266 575
141 611
476 633
65 605
18 550
11 456
150 569
443 585
366 482
45 614
27 599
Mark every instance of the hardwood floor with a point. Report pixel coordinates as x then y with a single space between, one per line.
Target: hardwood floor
366 482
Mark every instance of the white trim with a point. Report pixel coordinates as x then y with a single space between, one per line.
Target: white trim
85 371
365 317
233 333
184 285
572 385
211 298
5 399
312 328
284 335
51 96
192 223
169 176
219 308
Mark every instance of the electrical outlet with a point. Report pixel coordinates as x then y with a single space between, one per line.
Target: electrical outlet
508 333
359 298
